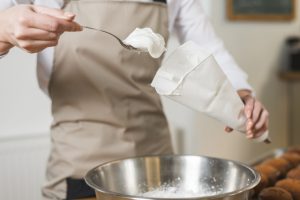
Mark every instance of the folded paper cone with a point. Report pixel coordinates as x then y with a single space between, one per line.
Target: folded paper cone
193 78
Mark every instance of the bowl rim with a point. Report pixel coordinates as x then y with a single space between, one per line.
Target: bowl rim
90 183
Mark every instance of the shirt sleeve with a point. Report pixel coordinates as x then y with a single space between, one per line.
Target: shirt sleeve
3 54
6 4
190 23
48 3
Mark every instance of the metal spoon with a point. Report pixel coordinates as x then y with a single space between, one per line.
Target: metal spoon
126 46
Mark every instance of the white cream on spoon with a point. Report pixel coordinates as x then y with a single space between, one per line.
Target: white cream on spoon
145 39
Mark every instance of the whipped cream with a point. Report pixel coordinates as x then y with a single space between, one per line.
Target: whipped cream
145 39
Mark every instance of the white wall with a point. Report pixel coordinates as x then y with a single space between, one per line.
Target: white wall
24 109
24 124
23 164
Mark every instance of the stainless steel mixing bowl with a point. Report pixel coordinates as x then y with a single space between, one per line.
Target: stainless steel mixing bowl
198 176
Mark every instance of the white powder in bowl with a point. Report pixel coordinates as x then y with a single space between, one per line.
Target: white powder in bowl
145 39
177 190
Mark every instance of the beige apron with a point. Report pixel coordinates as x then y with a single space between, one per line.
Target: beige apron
103 105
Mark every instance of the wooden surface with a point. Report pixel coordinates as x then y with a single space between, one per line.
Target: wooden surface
290 75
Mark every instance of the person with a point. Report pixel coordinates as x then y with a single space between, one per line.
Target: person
102 103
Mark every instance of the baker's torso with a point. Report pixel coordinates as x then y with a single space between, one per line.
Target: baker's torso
102 103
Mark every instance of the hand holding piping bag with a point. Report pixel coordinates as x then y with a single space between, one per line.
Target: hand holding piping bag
257 116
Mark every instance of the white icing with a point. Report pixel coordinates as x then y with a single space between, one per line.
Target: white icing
146 40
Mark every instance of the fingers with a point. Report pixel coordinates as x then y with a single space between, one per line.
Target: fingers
263 120
261 125
260 131
5 47
34 28
52 24
35 40
257 111
42 27
36 34
34 46
249 131
257 117
53 12
249 105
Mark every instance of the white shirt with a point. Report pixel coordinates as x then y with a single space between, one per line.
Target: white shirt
186 18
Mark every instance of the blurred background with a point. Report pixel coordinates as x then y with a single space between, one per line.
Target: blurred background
258 46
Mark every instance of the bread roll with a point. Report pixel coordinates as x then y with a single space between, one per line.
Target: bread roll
282 165
292 157
269 171
294 174
294 150
290 185
274 193
264 182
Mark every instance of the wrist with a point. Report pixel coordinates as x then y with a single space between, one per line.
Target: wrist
244 94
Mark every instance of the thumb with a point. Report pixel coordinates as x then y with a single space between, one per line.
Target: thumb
54 12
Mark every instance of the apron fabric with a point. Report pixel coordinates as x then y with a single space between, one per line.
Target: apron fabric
102 103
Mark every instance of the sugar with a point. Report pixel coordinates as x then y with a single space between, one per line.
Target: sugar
177 190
